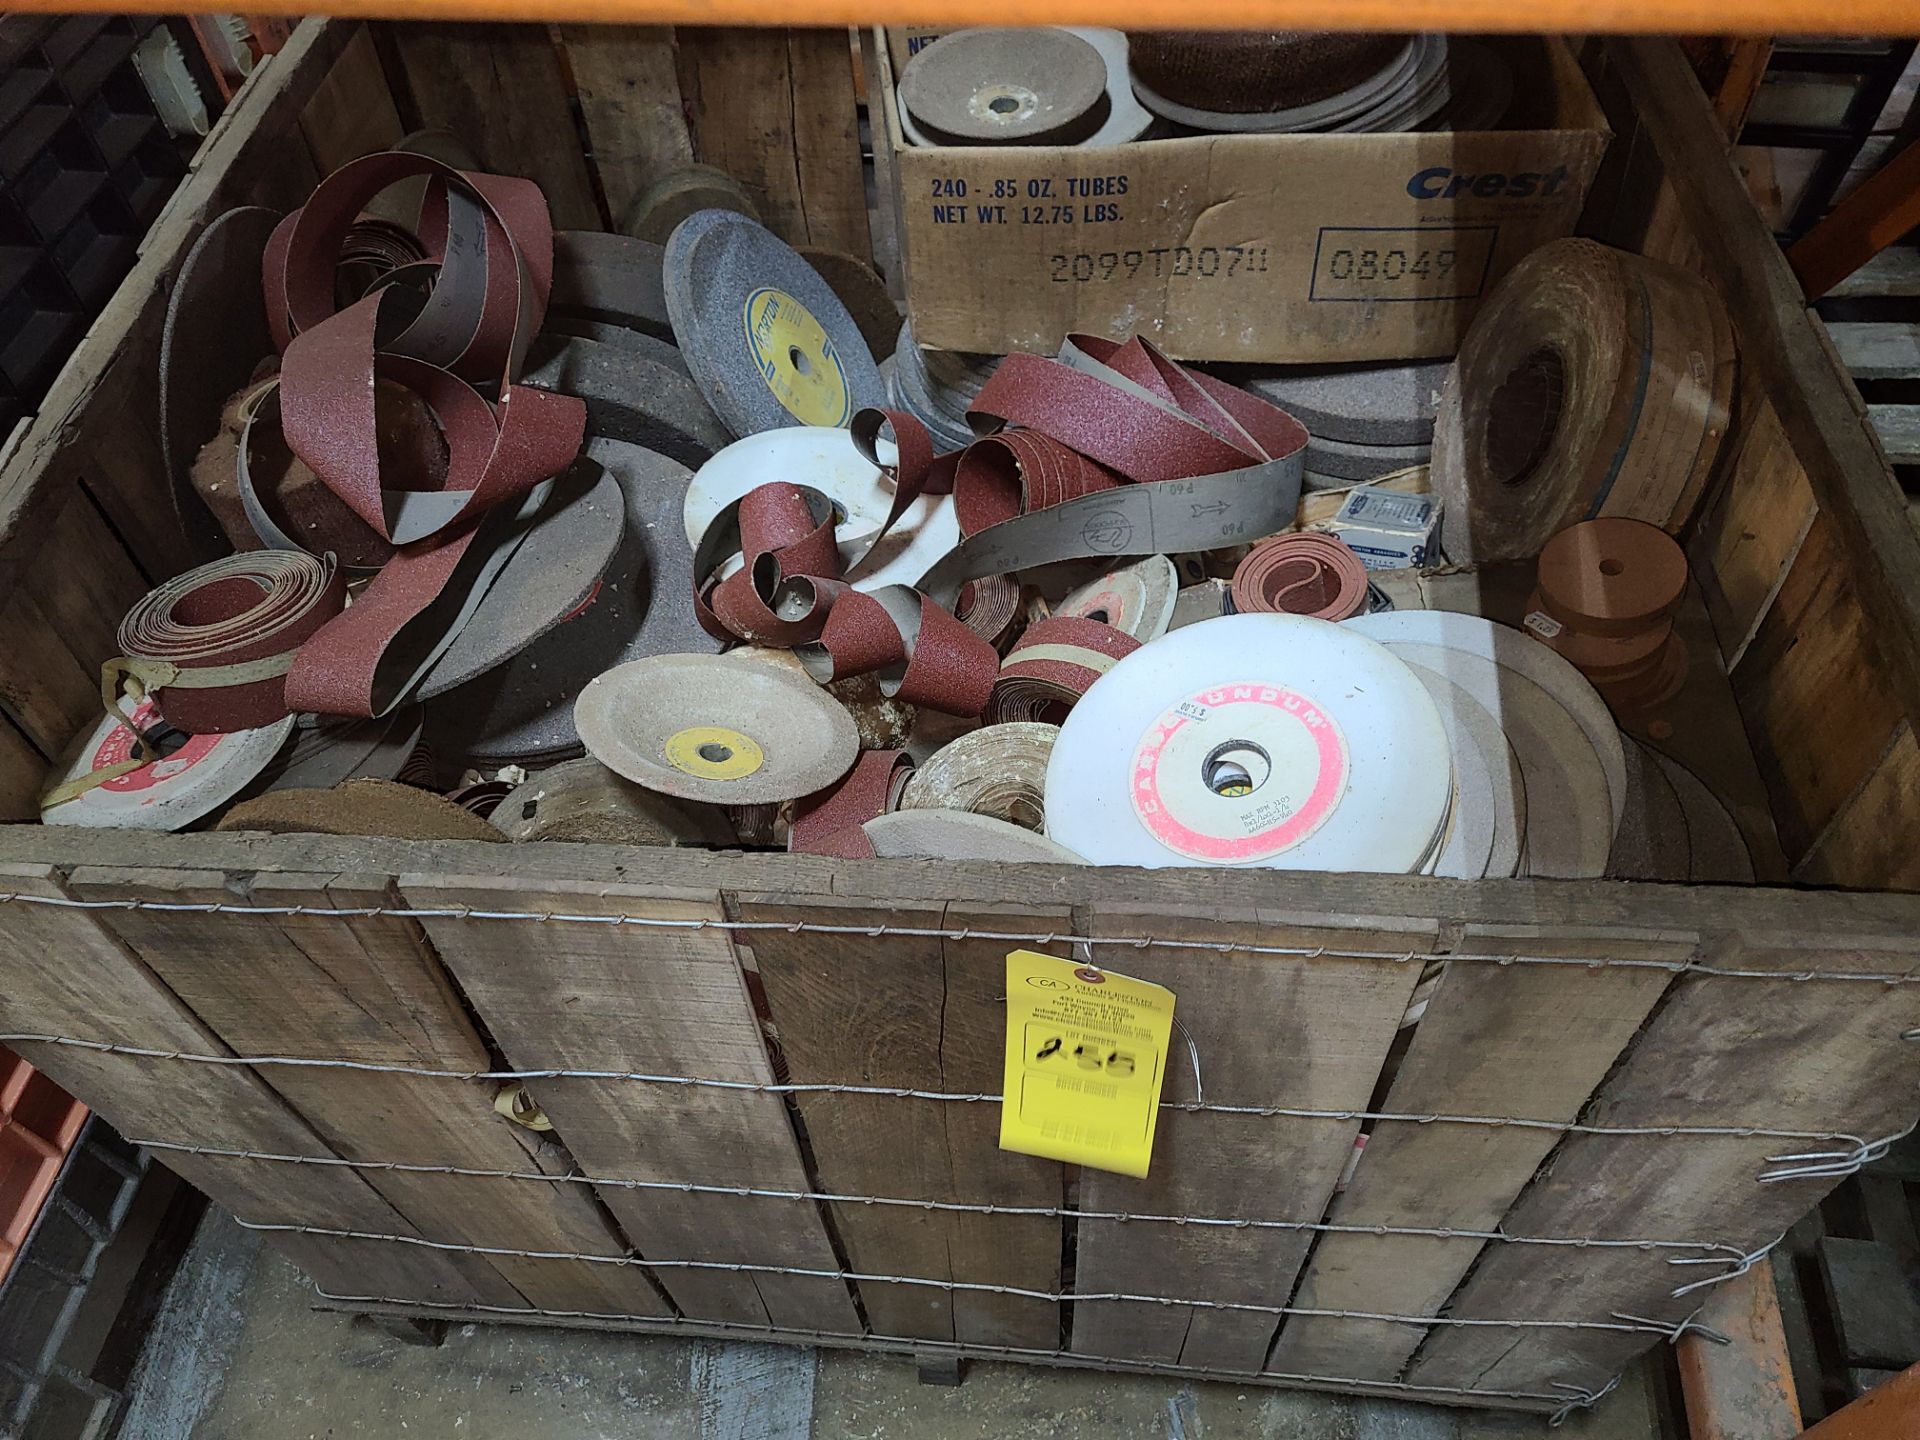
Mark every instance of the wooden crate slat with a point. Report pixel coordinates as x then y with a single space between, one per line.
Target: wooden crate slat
498 87
101 991
1477 1051
629 94
1877 349
928 1014
352 112
775 110
659 1002
1270 1030
1793 1055
1866 842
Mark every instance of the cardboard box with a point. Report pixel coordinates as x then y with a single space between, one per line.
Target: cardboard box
1387 529
1270 248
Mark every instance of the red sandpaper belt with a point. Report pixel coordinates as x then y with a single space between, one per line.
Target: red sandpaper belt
1046 667
1017 472
268 608
923 655
828 822
1130 436
1309 574
1244 419
786 536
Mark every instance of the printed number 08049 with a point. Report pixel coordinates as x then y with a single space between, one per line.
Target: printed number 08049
1396 264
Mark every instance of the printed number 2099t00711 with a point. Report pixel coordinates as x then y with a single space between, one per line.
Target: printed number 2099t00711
1202 262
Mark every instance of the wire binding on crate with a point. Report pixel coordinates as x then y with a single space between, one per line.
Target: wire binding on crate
1583 1397
1833 1164
1745 1264
1732 1256
1910 976
1619 1325
983 1097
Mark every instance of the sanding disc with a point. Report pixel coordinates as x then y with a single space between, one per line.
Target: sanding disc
657 210
628 396
1265 740
768 342
716 728
1718 851
610 277
549 576
1523 655
1136 599
1252 71
213 336
522 710
583 801
1127 119
960 835
360 807
1369 404
192 782
1406 71
1006 87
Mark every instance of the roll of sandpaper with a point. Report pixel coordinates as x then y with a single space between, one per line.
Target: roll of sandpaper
828 822
1305 573
1593 382
1054 663
997 770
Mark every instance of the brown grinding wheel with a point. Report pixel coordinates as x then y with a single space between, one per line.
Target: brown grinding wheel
1007 87
863 292
1251 72
1612 576
659 208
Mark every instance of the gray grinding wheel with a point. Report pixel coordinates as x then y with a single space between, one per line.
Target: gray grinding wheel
1359 404
628 396
643 605
1007 87
621 337
1356 463
768 342
610 277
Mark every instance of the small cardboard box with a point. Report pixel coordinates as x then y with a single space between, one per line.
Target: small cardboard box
1269 248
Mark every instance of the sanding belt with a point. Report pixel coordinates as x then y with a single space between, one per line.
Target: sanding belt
1109 450
829 822
492 240
1052 665
1305 573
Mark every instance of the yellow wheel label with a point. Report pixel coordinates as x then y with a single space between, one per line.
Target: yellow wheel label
797 360
713 752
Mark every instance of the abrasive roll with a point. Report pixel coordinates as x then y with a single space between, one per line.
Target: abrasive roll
1593 382
1306 573
1054 663
213 646
828 822
997 770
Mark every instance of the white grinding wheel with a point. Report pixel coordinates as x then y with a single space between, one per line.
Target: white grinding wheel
1269 740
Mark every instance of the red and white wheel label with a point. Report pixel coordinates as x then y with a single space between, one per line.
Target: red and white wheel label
1239 773
118 747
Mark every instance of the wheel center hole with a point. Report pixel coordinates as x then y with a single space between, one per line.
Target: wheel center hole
1522 415
1611 567
1003 105
1235 769
799 359
714 752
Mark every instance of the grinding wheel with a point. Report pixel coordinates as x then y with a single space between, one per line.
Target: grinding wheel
1353 105
960 835
213 336
621 337
717 728
1254 71
766 339
522 710
656 212
1127 119
1718 853
554 569
1368 404
610 277
1007 87
584 802
360 807
862 291
628 396
1357 464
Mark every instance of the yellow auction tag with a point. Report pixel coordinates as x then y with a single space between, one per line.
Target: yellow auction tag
1086 1055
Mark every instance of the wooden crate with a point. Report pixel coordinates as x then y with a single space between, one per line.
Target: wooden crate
1602 1073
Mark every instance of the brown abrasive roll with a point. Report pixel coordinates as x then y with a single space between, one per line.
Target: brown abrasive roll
1244 72
828 822
997 770
1052 666
1306 573
1593 382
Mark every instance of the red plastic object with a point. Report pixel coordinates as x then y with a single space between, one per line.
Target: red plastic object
38 1124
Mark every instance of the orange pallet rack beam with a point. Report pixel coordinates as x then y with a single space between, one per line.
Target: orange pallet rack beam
1644 17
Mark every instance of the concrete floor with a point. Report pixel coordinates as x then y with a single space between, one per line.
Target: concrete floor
237 1354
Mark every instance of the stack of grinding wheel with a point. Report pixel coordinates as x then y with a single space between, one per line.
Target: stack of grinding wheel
1366 421
1605 601
1271 82
936 386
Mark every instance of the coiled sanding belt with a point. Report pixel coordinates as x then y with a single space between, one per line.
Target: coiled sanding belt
1304 573
1593 382
492 239
828 822
1052 666
213 646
